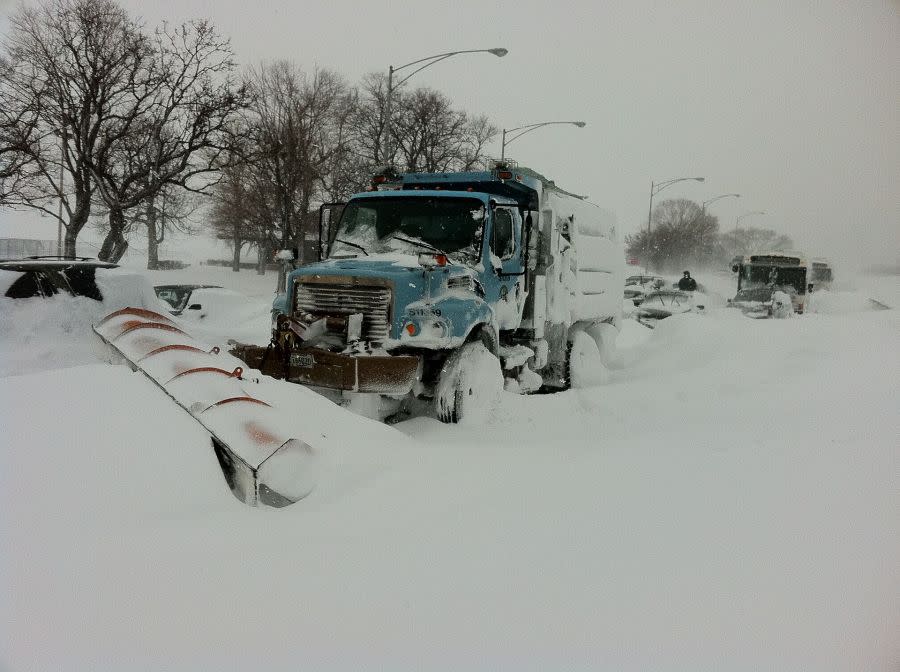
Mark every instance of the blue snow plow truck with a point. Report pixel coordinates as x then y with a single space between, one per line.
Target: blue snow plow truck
450 287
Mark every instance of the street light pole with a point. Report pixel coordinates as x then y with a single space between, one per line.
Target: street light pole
655 188
737 220
59 225
528 129
62 177
713 200
427 61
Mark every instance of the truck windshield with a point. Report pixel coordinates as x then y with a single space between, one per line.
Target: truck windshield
410 225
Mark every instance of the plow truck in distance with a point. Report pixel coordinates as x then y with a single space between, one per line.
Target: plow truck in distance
450 287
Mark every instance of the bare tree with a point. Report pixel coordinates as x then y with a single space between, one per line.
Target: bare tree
427 133
478 132
116 113
748 240
173 130
18 130
298 149
71 63
369 120
682 234
238 212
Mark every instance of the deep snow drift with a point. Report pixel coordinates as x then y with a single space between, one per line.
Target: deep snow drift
729 499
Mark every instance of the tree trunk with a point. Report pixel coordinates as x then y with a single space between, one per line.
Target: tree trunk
262 258
69 243
236 256
152 240
114 245
76 223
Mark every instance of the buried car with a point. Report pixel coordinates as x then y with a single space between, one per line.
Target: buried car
664 303
765 301
179 296
637 287
47 276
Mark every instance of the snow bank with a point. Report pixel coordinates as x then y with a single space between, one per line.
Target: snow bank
42 334
226 314
728 501
843 303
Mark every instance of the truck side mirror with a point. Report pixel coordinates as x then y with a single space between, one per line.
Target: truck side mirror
809 288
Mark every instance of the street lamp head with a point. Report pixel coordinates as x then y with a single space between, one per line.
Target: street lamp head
579 124
700 179
498 51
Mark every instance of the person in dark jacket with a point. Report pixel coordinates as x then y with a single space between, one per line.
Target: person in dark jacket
687 283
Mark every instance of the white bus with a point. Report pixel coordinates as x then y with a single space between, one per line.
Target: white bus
785 270
821 274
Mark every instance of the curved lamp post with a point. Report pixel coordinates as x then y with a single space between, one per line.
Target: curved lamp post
422 63
737 220
528 129
713 200
656 187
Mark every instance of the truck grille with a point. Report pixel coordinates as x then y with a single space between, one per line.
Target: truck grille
374 302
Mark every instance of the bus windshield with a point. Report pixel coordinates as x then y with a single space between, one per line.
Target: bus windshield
411 225
766 274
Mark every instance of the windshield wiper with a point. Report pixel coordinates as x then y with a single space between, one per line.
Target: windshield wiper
347 242
420 243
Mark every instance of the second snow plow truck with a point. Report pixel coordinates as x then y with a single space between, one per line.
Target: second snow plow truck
448 286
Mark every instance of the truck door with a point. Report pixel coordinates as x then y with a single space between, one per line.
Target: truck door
504 279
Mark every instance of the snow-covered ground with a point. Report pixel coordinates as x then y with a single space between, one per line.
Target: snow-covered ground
728 500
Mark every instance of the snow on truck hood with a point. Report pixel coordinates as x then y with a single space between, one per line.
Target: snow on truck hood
394 266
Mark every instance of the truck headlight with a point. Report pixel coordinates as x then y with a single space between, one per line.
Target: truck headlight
428 329
466 282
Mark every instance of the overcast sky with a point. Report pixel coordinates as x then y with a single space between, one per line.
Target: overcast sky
795 105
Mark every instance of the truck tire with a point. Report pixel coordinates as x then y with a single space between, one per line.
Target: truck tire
605 336
584 366
469 385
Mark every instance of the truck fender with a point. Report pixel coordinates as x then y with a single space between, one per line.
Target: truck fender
487 335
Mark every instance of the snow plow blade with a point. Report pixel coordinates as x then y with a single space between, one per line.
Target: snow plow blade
263 463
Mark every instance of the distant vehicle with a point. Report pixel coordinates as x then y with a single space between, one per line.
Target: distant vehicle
776 269
664 303
763 302
179 296
638 286
821 274
47 276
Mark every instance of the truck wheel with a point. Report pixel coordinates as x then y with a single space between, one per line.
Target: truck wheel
605 336
584 367
469 385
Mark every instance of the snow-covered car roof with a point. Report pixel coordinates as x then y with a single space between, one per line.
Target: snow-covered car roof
52 263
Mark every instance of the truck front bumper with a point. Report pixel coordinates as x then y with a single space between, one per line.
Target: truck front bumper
381 374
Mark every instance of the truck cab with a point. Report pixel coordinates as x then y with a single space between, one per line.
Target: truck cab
428 280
